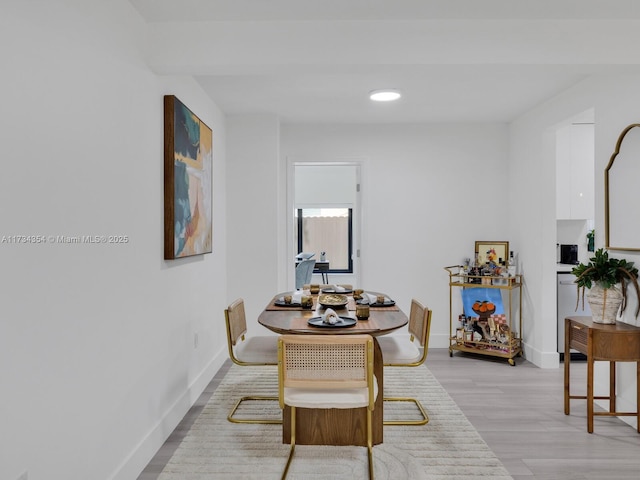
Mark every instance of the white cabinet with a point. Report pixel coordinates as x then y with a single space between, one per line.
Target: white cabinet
568 305
574 172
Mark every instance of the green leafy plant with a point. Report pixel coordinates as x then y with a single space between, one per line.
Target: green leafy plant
607 272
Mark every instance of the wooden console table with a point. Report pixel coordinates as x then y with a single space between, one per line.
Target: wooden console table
619 342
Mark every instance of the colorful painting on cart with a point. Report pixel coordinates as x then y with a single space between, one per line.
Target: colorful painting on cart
471 296
188 182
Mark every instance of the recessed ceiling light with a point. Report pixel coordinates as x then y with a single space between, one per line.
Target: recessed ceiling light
386 95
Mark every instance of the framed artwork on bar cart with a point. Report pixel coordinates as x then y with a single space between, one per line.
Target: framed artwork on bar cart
492 251
188 182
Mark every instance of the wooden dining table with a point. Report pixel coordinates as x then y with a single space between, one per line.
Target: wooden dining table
334 426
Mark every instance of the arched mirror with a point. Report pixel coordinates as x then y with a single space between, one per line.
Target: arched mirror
621 179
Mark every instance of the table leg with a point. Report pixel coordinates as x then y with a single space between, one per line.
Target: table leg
590 394
612 386
567 367
638 394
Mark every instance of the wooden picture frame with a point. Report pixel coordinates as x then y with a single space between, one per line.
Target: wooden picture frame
492 251
188 182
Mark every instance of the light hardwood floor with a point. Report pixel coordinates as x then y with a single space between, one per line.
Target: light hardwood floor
518 411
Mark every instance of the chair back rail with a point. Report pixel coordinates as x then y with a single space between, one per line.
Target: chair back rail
419 322
331 362
236 321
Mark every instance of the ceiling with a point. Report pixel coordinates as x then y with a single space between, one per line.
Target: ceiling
454 60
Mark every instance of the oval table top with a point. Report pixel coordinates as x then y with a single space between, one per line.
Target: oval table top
294 320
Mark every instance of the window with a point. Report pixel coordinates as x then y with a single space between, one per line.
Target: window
328 230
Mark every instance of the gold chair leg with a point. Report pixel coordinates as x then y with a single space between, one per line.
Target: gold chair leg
425 417
253 420
293 442
370 443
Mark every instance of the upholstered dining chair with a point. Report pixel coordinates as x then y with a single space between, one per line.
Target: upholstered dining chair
304 271
326 371
402 351
248 351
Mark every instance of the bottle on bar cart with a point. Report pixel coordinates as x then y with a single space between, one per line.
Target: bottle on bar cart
511 267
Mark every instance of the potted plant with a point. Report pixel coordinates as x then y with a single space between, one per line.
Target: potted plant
601 276
591 239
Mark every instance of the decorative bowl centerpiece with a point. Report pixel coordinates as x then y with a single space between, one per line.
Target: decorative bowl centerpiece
484 308
332 300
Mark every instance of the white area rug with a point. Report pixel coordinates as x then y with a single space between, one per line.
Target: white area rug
448 447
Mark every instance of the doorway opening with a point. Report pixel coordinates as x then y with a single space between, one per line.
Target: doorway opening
326 215
575 211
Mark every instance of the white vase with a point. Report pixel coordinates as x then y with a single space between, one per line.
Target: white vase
604 303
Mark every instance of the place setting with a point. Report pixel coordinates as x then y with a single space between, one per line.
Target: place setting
331 319
327 302
373 300
294 300
346 289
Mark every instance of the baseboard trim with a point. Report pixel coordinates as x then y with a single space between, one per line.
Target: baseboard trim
142 454
541 359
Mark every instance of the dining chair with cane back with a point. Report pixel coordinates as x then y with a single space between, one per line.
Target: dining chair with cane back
402 351
326 372
249 351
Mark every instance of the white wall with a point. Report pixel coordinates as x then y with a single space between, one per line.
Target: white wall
616 101
253 191
97 342
428 192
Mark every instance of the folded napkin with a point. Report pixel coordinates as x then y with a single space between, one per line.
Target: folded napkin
368 298
336 288
296 297
330 317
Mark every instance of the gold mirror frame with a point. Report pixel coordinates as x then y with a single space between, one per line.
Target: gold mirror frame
610 208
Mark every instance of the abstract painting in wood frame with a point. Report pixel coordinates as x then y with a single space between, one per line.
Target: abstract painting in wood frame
188 182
